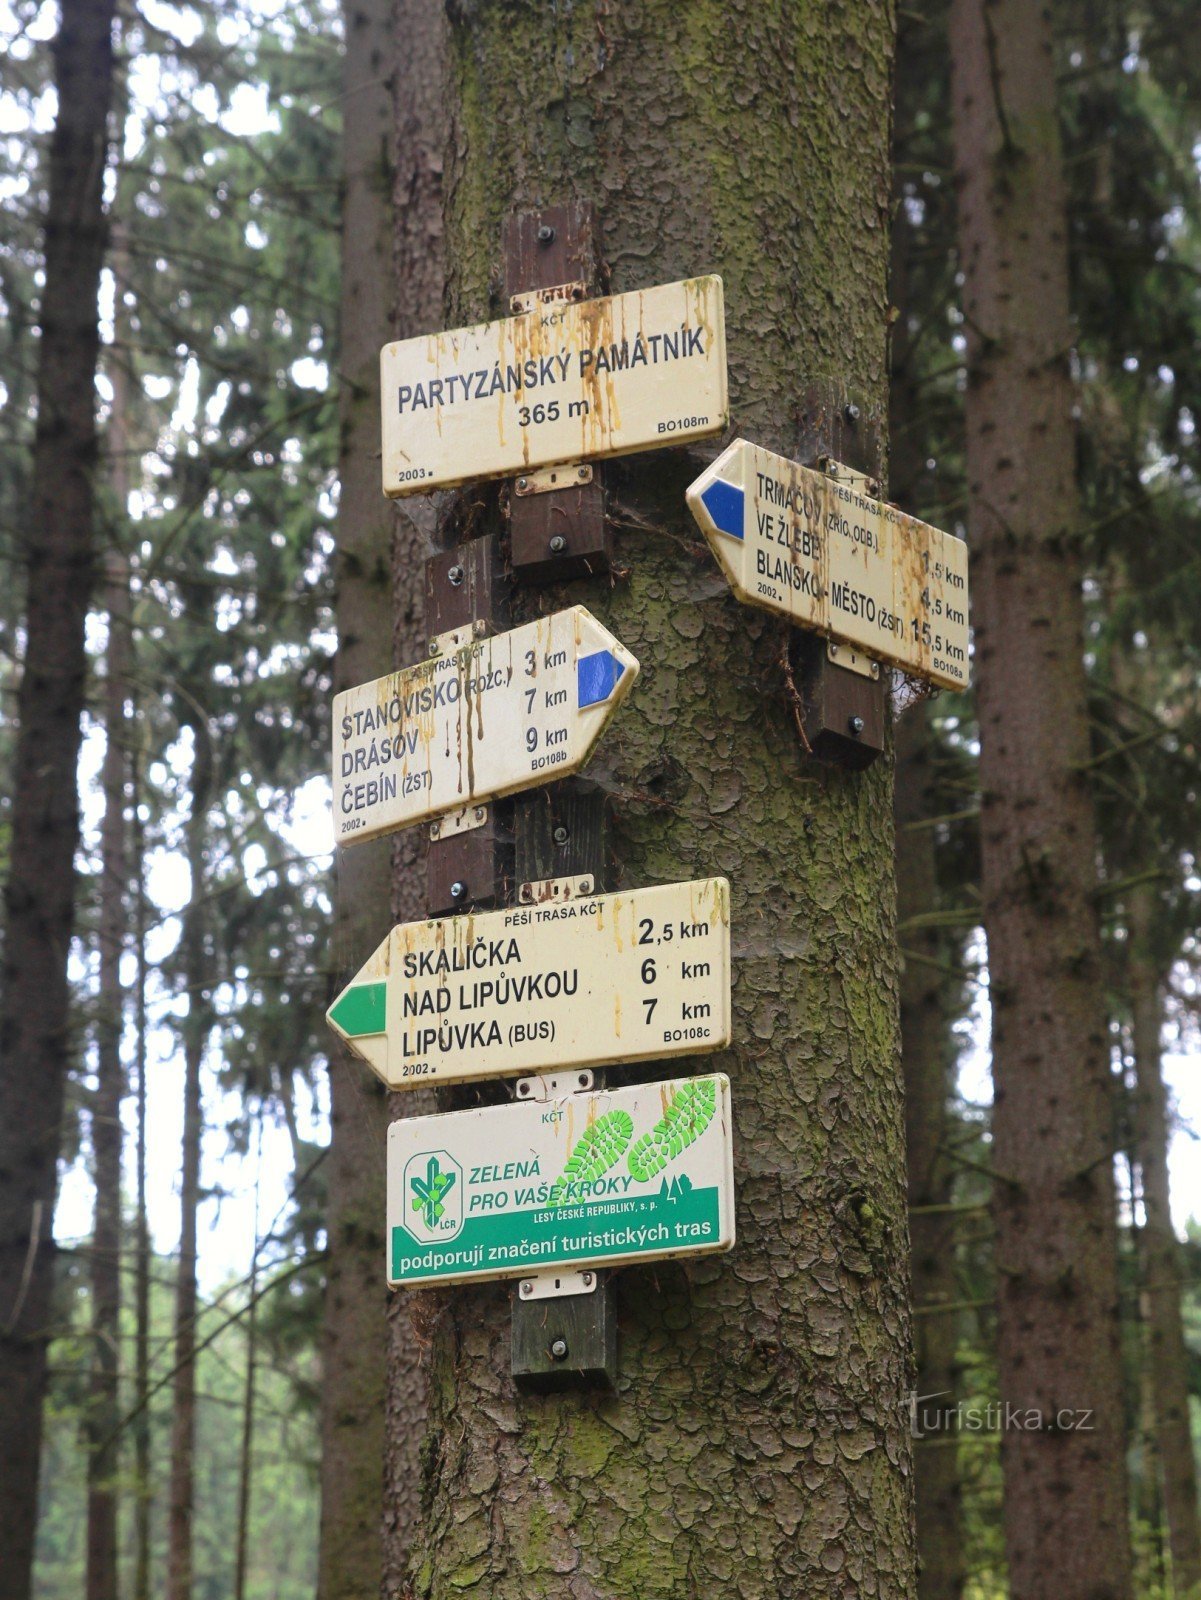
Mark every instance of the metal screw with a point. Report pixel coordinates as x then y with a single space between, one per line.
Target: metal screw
523 483
546 234
855 724
585 885
582 472
434 647
558 1349
458 889
583 1080
586 1278
527 892
875 669
527 1287
480 813
558 544
560 835
833 651
851 413
455 576
435 830
523 1088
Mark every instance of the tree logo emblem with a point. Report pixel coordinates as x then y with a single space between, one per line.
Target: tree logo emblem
433 1185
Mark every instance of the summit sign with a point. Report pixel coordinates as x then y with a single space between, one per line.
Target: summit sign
565 381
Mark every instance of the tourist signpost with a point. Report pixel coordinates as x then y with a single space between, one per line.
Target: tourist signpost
473 723
568 380
540 987
816 548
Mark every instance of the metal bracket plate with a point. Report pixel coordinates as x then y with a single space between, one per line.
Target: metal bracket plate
553 890
554 294
553 1285
445 644
848 475
843 656
554 1085
465 821
568 476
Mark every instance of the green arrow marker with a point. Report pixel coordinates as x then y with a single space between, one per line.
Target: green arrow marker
361 1009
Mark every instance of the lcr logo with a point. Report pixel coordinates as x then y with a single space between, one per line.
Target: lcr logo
433 1183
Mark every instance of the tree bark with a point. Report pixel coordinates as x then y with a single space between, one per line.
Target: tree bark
35 1047
757 1441
419 88
1057 1299
927 1056
141 1425
1167 1355
350 1560
195 1037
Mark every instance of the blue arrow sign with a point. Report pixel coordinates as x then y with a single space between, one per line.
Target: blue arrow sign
596 677
724 502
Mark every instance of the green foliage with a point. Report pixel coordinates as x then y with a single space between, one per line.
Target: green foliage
282 1541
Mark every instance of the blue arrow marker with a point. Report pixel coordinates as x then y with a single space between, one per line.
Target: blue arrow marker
724 502
596 677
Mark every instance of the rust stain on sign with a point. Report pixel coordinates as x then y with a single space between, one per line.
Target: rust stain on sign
818 550
568 381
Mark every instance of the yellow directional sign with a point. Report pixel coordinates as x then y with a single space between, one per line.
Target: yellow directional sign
833 559
608 977
500 714
566 381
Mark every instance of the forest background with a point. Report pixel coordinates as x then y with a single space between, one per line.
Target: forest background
210 655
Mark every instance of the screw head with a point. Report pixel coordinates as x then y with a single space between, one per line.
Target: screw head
558 544
523 483
851 413
480 813
586 1277
434 647
560 835
581 472
546 234
855 724
458 889
455 576
523 1088
583 1080
527 1287
558 1349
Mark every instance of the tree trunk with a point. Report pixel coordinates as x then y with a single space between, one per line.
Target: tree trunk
350 1561
103 1403
1167 1356
104 1451
195 1036
35 1047
757 1442
927 1046
419 88
141 1424
927 1055
1057 1298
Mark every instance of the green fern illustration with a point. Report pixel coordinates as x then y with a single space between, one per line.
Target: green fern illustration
691 1111
601 1147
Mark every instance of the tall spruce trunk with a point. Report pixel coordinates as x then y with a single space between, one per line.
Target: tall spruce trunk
419 86
1167 1354
353 1337
1066 1530
39 896
195 1038
143 1487
927 1046
927 1056
104 1397
757 1441
103 1406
